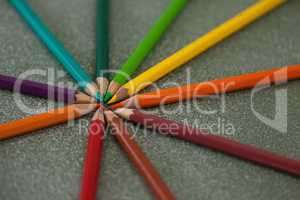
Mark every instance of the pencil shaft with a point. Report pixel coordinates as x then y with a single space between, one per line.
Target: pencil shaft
43 120
140 160
225 85
149 41
215 142
37 89
198 46
102 40
92 161
55 47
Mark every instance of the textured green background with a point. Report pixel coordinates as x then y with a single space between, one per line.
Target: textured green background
48 164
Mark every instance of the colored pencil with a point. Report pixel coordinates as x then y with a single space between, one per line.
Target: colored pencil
33 88
138 157
228 146
219 86
145 46
93 157
102 47
195 48
97 127
56 48
44 120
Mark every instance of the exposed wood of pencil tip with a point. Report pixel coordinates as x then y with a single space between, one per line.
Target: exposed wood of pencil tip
83 109
120 95
138 157
116 123
102 83
83 98
132 102
124 112
91 89
98 116
113 87
200 45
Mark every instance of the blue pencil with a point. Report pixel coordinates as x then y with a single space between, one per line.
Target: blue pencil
56 48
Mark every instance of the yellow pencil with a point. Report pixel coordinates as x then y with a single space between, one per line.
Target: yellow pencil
195 48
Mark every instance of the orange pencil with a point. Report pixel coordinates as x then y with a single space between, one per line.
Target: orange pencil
196 90
44 120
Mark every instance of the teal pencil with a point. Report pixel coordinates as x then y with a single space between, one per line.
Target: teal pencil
145 46
56 48
102 45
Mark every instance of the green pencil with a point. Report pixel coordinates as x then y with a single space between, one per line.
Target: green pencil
102 45
145 46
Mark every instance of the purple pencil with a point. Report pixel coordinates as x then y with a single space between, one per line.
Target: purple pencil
33 88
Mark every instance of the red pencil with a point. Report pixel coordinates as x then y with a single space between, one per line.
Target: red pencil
93 157
219 143
138 157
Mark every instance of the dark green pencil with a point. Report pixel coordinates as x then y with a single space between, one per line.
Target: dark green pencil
102 45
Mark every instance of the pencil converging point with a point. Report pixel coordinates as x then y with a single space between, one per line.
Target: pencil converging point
107 96
99 98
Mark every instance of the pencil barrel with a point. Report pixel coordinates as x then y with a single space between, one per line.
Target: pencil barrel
200 45
92 163
231 147
213 87
141 162
44 120
151 38
37 89
102 38
55 47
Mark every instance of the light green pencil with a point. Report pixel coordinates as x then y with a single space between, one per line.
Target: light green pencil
145 46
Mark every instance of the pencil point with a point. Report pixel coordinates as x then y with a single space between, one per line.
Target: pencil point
81 97
113 87
121 94
102 83
83 109
98 116
107 96
99 98
92 90
109 115
112 100
124 112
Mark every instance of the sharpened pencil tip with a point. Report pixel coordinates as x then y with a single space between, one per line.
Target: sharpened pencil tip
102 83
98 116
109 115
124 112
91 89
99 98
107 96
